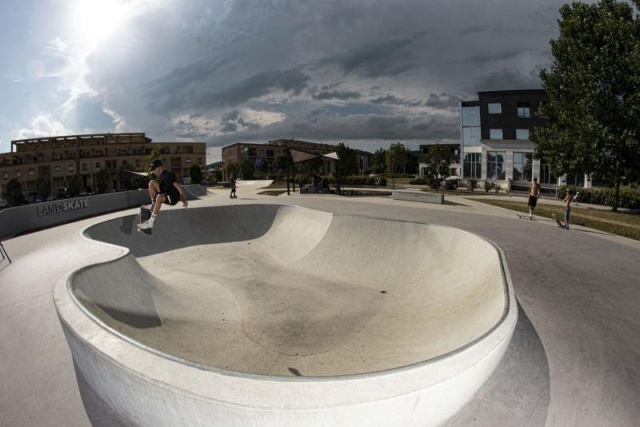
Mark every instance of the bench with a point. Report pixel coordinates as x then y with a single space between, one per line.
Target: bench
417 196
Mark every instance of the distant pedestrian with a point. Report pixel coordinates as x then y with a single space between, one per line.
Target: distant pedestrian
166 189
566 202
233 184
534 193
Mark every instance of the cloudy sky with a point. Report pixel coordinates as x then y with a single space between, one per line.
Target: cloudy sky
364 72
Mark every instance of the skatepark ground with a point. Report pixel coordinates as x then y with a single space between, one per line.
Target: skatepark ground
574 358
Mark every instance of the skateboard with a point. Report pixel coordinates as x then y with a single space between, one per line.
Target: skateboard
145 214
522 216
561 225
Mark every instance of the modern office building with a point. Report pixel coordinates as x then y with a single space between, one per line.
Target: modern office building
59 158
494 136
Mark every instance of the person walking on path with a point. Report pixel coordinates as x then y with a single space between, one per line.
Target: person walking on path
534 193
566 202
232 184
166 189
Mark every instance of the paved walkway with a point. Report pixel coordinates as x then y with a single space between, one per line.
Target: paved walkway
574 359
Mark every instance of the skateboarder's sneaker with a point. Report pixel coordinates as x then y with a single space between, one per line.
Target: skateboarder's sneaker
145 225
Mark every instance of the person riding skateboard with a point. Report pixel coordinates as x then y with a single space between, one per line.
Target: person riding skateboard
166 189
534 193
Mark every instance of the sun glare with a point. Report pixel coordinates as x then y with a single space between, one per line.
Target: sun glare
94 21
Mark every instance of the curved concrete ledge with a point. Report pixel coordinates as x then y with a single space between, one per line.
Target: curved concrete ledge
283 316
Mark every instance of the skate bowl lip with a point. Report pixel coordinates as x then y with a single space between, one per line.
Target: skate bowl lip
82 327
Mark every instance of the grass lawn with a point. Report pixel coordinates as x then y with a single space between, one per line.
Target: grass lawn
626 224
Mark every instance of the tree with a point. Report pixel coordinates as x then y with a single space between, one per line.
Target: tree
14 196
348 164
396 156
438 159
379 161
246 169
593 87
102 181
76 185
195 173
155 154
43 186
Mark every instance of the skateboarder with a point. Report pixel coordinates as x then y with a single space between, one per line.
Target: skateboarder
567 208
233 184
166 189
534 193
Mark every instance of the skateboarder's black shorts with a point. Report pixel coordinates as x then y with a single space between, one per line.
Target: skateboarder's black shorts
533 200
171 197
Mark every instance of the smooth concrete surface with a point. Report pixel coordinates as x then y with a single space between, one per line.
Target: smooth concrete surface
573 359
410 327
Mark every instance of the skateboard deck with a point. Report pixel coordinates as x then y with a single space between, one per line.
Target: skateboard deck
144 215
561 225
522 216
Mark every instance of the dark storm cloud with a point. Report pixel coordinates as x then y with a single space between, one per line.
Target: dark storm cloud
291 81
376 59
394 100
335 94
507 79
185 129
444 101
253 70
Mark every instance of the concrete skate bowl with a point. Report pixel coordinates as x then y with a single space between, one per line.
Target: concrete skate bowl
278 315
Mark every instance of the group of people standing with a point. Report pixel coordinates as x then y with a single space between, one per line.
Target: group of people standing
534 193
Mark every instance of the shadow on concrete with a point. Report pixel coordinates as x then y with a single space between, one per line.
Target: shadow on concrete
518 392
99 413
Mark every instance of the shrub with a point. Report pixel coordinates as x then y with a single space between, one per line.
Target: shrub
628 198
419 181
451 184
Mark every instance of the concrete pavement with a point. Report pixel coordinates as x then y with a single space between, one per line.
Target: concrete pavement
573 359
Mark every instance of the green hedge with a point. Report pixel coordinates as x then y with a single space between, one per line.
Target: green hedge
629 198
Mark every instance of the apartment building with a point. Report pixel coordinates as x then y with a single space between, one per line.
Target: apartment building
494 136
59 158
268 152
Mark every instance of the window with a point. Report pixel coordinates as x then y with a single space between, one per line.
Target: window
471 135
97 165
495 164
522 134
5 176
84 167
187 160
70 168
522 166
57 169
524 110
270 154
546 177
31 172
495 108
137 163
473 165
495 133
470 116
19 174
